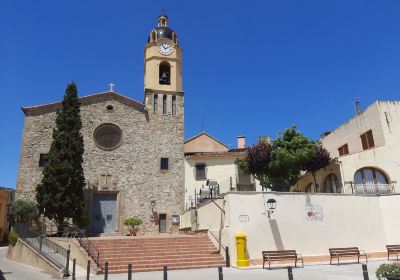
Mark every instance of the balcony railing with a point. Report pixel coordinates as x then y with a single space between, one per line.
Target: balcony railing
374 188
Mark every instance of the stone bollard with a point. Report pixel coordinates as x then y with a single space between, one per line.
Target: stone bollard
365 271
165 272
290 273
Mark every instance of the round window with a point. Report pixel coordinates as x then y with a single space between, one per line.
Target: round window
107 136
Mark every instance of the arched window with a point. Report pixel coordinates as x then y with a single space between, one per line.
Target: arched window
332 184
155 104
370 176
164 73
164 105
173 105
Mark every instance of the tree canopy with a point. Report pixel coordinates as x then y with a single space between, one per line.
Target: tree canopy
277 165
60 193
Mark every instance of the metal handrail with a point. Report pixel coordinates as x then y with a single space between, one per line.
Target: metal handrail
85 243
49 249
72 230
374 188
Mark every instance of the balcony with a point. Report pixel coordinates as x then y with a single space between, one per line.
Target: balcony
374 188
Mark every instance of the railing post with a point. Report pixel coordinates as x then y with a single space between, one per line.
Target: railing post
73 269
130 271
220 275
66 273
88 270
106 271
227 257
165 272
365 271
40 242
290 273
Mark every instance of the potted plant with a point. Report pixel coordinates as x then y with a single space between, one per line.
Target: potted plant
388 271
131 223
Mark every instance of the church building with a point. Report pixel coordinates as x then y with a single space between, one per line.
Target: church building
134 151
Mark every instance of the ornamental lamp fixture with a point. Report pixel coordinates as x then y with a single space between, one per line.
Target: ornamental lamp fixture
271 206
153 204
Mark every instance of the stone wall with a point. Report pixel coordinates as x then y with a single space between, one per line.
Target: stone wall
133 167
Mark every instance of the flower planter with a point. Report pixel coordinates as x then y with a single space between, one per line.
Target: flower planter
133 231
392 278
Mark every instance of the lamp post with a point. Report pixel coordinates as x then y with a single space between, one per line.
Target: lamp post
271 207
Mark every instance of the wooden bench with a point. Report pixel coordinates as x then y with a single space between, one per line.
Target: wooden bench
347 252
393 249
269 256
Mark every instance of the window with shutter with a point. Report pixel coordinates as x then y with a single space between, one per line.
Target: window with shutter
370 139
343 150
367 140
364 142
200 171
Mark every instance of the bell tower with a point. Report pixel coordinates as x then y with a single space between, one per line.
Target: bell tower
163 59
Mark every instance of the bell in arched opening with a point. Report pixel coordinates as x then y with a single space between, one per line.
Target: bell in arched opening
165 73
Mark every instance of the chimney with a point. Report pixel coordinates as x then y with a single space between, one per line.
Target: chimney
358 108
241 142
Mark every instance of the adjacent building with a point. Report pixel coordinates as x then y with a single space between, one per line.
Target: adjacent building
209 163
6 198
367 152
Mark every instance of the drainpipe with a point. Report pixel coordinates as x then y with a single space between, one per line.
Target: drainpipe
342 175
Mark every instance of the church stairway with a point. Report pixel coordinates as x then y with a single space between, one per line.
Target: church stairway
153 252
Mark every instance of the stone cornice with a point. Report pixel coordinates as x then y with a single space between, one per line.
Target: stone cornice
85 101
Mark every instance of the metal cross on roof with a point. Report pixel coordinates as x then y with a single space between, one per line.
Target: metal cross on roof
111 85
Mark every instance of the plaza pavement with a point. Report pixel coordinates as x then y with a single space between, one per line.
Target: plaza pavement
16 271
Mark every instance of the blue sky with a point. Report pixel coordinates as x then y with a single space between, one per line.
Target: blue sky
250 67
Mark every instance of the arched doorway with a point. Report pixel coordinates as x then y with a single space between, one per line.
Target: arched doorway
332 184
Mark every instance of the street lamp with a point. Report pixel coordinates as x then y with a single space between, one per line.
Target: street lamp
152 203
271 206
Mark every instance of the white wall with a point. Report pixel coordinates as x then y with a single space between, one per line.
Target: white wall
369 222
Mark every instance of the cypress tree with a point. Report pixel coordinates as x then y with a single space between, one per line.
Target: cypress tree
60 193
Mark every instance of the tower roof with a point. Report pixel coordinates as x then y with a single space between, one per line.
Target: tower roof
162 31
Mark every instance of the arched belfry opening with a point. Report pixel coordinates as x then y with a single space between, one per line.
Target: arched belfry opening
165 73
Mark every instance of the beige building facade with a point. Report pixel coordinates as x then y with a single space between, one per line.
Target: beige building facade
367 152
133 159
208 160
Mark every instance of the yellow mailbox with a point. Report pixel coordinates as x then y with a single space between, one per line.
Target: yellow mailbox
241 249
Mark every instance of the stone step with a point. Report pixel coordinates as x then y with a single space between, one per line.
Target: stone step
104 246
157 248
141 269
165 261
152 253
151 256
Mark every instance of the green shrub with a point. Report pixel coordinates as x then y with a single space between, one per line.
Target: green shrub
12 237
388 270
24 211
133 222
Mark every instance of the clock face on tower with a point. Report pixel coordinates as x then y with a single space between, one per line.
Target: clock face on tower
165 49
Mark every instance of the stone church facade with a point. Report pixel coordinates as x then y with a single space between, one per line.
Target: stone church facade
134 158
